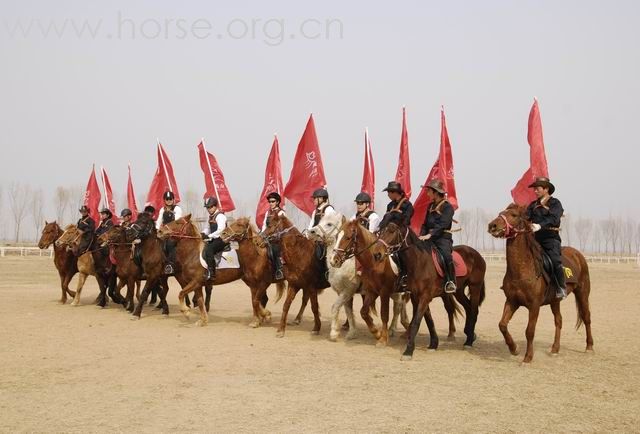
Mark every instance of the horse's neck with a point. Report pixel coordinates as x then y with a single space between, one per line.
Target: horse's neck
247 248
519 256
364 251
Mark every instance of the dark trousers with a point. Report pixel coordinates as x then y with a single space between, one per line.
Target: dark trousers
170 250
445 246
276 260
83 245
552 247
211 248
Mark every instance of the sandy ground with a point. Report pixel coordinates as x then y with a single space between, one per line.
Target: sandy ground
82 369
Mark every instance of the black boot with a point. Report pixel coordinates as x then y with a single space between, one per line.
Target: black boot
210 272
450 284
561 291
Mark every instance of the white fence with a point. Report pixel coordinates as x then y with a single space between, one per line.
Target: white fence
602 259
24 251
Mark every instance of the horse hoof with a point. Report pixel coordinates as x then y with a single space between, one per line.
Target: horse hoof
351 335
333 337
406 357
296 321
315 332
553 354
451 338
381 344
135 318
280 334
254 324
62 301
74 303
515 351
201 323
589 351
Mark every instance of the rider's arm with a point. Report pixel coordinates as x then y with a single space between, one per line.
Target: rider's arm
374 221
221 219
444 222
159 220
177 212
552 218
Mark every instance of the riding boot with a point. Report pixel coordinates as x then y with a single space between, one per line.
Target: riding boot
561 291
450 285
279 275
171 257
210 272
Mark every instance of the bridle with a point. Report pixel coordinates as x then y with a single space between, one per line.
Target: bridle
394 248
181 233
236 236
509 230
325 235
342 255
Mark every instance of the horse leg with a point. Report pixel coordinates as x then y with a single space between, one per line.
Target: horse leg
365 313
475 291
63 278
507 313
434 340
102 297
208 290
384 315
137 289
184 293
261 293
534 310
255 304
143 299
335 313
81 279
204 317
348 305
303 306
397 312
557 319
451 314
163 289
404 318
419 310
315 308
131 285
584 313
351 319
291 294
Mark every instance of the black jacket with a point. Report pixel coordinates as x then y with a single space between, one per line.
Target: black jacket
406 209
547 216
104 226
437 220
86 225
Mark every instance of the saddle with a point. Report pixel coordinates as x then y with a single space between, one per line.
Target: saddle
136 254
320 254
458 262
569 266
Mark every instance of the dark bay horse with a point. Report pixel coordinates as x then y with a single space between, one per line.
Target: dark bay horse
301 268
66 263
524 282
425 283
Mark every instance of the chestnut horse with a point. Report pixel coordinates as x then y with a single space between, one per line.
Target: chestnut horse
378 276
425 283
255 265
91 263
301 268
66 263
524 283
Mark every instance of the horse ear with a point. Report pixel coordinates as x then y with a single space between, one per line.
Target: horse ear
45 223
188 217
344 220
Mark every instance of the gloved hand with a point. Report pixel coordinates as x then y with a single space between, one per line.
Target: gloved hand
535 227
204 236
136 241
425 237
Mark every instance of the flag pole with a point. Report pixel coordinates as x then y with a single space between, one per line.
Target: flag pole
164 166
278 186
213 179
105 199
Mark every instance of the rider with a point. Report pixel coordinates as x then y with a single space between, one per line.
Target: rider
105 221
364 214
170 212
88 226
402 207
437 229
544 213
274 200
217 222
321 201
126 214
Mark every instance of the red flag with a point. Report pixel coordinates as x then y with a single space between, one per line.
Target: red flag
403 174
521 193
163 180
307 173
368 174
214 179
108 196
272 181
92 196
443 170
131 198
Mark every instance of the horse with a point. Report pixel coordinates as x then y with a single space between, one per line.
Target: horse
524 281
91 263
345 280
66 263
189 271
255 265
301 268
425 283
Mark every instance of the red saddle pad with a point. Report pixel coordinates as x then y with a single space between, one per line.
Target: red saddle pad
458 262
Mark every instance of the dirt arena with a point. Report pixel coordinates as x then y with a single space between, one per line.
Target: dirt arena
81 369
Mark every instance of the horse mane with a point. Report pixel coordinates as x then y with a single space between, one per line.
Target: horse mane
412 237
533 245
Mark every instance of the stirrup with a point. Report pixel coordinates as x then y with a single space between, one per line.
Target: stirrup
561 293
450 287
279 275
168 269
208 275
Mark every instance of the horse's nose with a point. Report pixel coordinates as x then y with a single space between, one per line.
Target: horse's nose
492 227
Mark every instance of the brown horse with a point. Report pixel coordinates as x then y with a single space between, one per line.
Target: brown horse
255 265
189 271
378 277
301 268
425 283
91 263
524 282
65 262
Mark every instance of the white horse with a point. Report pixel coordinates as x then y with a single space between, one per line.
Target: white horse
346 281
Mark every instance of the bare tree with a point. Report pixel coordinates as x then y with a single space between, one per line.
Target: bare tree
61 201
636 237
567 227
76 199
36 209
191 203
18 202
2 226
583 228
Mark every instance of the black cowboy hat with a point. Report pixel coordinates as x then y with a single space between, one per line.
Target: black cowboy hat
210 202
274 195
150 209
435 185
543 182
106 211
168 195
363 197
84 208
320 192
125 212
394 186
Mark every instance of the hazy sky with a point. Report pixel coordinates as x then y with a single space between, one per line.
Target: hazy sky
156 69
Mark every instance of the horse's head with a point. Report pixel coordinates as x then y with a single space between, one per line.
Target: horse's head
115 235
236 230
346 244
510 222
393 236
181 228
328 228
278 226
50 233
69 237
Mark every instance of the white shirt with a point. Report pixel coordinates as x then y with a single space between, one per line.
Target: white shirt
177 211
328 210
221 220
374 221
264 222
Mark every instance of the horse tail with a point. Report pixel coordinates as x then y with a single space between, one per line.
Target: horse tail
483 293
451 305
281 287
